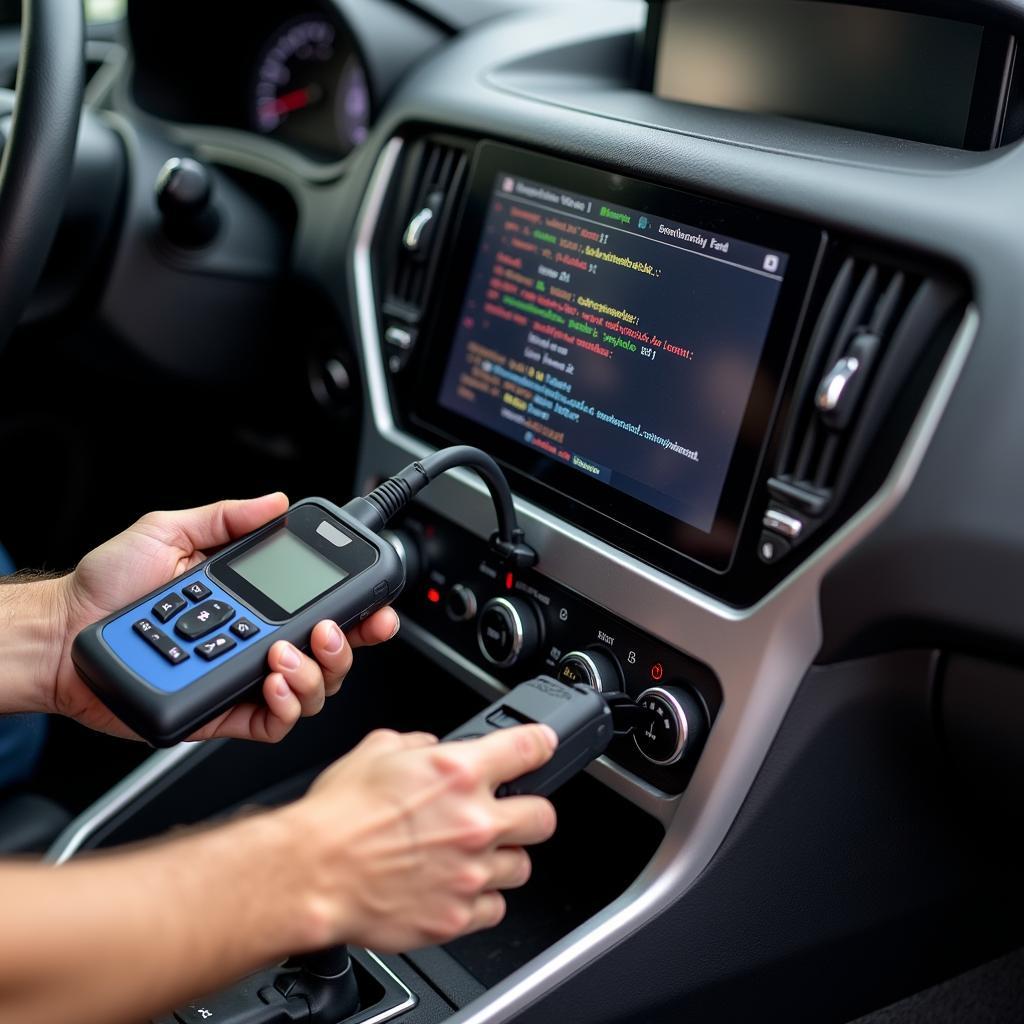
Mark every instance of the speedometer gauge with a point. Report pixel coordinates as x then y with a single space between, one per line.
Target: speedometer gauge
311 89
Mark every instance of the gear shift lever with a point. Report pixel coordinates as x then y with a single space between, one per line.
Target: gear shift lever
326 980
318 988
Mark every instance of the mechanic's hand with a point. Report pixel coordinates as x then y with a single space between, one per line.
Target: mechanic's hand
404 844
162 546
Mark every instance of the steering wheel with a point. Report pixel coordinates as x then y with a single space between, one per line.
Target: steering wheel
40 147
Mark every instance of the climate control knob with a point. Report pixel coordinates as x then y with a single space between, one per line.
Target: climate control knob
594 667
508 630
675 723
460 605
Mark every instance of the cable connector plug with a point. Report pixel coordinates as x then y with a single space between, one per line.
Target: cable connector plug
514 553
627 715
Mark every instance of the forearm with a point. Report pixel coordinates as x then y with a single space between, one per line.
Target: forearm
33 627
120 937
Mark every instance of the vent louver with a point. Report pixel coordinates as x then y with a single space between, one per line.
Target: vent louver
874 327
425 203
433 176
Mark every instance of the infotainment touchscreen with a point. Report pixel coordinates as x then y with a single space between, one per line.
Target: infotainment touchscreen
618 346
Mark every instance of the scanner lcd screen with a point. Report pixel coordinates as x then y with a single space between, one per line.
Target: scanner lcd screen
287 571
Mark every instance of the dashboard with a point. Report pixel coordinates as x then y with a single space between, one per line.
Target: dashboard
731 291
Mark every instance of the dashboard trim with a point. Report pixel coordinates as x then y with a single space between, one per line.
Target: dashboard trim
760 654
121 796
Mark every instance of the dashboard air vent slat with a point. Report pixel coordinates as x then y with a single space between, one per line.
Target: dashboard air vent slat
874 329
850 338
432 180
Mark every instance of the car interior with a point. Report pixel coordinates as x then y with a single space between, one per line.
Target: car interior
729 289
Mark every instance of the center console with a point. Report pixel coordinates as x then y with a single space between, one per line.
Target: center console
702 407
695 401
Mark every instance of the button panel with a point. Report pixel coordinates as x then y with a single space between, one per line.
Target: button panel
169 662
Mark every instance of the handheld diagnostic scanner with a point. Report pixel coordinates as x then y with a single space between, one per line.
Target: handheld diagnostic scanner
175 659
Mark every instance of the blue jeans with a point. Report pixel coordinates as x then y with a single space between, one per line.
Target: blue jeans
21 742
21 736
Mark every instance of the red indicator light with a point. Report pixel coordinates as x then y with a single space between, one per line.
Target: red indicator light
510 581
434 595
657 671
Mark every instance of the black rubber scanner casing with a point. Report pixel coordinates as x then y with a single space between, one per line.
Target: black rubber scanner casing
579 715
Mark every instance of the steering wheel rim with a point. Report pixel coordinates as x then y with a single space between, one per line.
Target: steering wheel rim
37 159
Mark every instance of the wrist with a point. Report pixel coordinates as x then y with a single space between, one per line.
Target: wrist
314 895
33 641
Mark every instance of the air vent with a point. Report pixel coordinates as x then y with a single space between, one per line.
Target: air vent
875 326
428 193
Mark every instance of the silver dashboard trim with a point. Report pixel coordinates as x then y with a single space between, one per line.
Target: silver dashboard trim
119 797
760 654
392 1011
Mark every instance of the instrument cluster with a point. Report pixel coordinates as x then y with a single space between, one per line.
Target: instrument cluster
292 72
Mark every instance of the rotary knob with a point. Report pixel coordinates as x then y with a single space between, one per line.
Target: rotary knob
675 723
508 630
594 667
460 605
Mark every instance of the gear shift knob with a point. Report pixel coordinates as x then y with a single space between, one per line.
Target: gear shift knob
323 963
327 981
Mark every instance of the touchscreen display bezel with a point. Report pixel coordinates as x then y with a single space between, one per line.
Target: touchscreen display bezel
592 504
